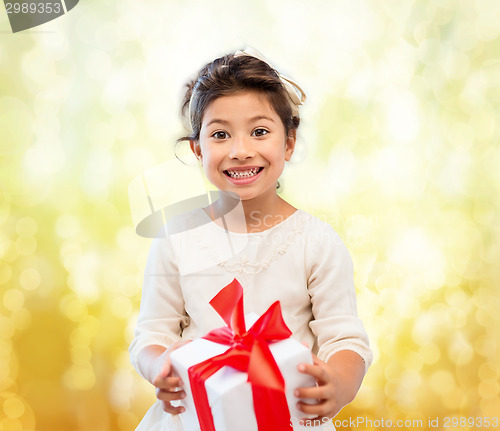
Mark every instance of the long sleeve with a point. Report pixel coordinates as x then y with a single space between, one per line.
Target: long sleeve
331 289
162 315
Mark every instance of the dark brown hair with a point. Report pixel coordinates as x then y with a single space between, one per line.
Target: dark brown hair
229 75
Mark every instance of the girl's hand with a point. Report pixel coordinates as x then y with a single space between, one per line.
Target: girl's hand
168 386
337 384
326 392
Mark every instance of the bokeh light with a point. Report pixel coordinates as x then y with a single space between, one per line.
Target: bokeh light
398 150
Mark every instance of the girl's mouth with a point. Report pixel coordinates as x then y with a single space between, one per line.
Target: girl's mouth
243 177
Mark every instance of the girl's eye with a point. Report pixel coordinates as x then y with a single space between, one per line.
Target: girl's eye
260 132
219 135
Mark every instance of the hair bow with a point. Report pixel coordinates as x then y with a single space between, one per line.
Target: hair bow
290 85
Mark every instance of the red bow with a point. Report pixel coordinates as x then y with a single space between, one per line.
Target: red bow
249 352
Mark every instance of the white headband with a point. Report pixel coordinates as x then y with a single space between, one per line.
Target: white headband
291 86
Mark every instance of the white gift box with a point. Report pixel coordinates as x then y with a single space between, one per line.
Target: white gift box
229 394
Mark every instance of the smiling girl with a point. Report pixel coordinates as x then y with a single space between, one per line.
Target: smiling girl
244 117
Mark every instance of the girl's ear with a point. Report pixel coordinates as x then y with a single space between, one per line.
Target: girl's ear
195 148
290 144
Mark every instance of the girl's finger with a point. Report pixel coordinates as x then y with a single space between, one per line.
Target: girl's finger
320 409
167 365
166 368
317 392
317 361
168 383
168 396
317 371
173 410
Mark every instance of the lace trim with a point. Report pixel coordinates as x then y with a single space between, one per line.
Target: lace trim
242 267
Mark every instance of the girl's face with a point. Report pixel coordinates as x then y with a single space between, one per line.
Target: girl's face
243 145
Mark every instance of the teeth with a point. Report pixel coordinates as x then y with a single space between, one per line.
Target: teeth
243 174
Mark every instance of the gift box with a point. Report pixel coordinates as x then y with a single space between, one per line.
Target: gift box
239 379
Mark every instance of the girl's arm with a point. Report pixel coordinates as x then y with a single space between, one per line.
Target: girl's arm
162 316
339 380
342 340
161 319
330 284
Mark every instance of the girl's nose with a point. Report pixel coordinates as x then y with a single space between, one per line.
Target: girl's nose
240 148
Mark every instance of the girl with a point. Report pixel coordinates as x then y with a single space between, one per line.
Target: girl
244 117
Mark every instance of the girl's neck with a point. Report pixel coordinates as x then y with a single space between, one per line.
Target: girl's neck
252 215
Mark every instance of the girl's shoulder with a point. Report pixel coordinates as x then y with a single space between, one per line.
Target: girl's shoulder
319 233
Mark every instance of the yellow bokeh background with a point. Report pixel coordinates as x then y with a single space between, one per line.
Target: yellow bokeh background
398 151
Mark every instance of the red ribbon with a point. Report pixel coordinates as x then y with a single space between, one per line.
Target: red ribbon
249 352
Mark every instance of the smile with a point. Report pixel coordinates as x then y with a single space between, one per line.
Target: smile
243 177
243 174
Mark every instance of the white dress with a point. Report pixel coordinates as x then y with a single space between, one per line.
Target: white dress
302 262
